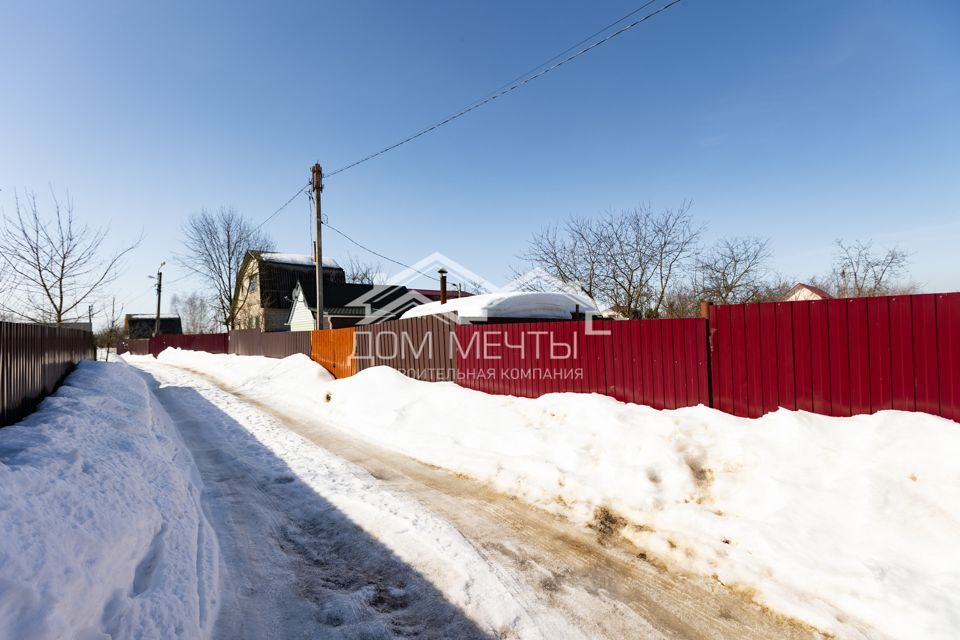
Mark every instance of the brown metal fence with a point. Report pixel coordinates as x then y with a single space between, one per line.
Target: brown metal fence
209 342
136 346
33 360
253 342
421 348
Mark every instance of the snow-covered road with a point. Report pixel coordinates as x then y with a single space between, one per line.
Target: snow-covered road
325 535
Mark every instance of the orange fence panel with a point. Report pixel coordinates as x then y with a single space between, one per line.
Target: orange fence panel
333 350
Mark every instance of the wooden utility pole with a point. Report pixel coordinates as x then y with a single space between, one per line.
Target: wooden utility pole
156 324
318 245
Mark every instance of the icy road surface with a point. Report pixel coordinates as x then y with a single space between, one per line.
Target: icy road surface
323 535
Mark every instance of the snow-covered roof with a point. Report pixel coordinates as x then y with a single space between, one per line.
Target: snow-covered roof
152 316
297 258
512 304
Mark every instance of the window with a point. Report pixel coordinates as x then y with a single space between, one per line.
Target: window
253 284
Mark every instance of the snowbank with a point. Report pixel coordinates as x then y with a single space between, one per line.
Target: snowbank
849 524
298 259
513 304
100 519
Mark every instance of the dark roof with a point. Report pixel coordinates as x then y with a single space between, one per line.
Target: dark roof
141 325
277 279
434 294
377 296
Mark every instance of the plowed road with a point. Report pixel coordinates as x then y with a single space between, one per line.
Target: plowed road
375 544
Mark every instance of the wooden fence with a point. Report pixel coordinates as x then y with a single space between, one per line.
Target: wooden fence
421 348
660 363
280 344
209 342
838 357
34 359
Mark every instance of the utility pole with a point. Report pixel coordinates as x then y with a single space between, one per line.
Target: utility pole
156 324
318 245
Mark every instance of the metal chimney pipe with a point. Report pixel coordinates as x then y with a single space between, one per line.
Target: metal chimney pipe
443 285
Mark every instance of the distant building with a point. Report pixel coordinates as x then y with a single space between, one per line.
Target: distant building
434 294
141 325
804 291
79 325
346 304
510 306
263 297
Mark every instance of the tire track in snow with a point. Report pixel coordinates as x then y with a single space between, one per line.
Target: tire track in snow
604 590
296 566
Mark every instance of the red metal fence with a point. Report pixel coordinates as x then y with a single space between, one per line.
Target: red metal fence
209 342
835 357
660 363
838 357
33 360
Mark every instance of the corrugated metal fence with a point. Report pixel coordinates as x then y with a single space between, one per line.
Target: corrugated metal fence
253 342
209 342
838 357
33 361
421 348
333 349
136 346
660 363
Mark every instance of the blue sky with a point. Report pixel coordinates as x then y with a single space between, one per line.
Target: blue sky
802 122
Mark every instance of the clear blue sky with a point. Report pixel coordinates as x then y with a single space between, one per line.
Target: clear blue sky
799 121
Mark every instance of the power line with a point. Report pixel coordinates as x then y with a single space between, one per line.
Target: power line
515 85
568 49
282 207
376 253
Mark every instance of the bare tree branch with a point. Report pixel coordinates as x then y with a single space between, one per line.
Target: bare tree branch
859 270
53 265
360 272
734 270
627 260
215 244
195 311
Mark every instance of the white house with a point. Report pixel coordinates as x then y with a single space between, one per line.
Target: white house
804 291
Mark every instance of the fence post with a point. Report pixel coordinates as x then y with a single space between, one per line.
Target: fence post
705 314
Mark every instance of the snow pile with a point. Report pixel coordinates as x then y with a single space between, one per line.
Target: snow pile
512 304
100 520
849 524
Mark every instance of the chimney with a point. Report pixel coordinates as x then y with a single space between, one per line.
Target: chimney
443 285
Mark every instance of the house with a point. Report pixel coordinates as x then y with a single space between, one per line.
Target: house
266 281
433 295
141 325
804 291
511 306
348 304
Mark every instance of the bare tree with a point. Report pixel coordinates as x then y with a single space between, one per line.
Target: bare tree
109 337
360 272
627 260
859 270
215 244
571 253
734 270
195 312
53 265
